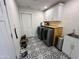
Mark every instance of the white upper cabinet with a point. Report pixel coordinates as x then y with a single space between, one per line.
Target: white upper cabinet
54 13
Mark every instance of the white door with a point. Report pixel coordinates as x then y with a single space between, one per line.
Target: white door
27 24
7 49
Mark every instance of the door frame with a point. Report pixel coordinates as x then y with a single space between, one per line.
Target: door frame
21 22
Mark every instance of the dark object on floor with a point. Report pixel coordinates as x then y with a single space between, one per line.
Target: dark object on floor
23 42
24 54
23 45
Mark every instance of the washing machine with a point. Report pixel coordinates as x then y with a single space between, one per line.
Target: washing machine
48 38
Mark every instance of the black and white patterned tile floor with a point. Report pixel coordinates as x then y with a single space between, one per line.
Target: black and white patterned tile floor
38 50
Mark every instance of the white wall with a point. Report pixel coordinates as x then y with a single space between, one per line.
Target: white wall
71 16
37 17
14 22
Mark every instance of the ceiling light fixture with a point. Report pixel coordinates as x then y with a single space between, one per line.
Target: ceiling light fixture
45 7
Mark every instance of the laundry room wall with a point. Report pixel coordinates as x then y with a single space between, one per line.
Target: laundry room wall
37 18
70 16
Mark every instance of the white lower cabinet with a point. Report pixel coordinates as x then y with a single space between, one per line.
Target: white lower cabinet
68 42
71 47
75 52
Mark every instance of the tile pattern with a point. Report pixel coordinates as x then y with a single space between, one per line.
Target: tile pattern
38 50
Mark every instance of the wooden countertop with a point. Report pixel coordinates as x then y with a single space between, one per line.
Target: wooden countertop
53 27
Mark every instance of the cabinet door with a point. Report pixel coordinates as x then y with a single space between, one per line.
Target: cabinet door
54 13
75 52
60 11
68 42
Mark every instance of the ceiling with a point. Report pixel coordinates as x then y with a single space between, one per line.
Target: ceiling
35 4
